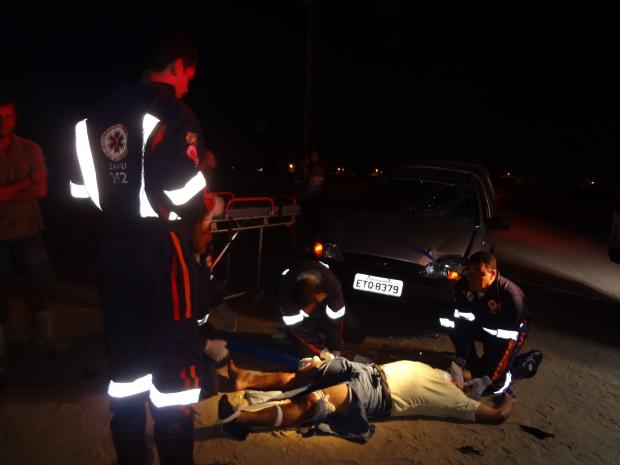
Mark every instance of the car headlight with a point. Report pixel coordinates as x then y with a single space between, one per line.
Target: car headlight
329 250
449 267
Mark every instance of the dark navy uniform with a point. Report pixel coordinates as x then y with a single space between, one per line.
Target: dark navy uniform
324 326
138 155
498 318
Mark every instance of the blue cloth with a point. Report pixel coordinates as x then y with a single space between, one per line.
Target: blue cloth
253 349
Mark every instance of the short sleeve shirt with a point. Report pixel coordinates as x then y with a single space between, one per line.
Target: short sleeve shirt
22 160
419 389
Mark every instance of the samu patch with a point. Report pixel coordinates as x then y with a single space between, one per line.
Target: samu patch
191 138
114 142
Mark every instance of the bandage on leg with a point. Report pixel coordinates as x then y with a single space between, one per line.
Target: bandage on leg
323 407
228 419
279 417
265 405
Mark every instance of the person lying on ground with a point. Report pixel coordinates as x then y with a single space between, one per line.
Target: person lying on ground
338 397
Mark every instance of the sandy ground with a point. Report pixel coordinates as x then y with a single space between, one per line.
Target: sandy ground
54 411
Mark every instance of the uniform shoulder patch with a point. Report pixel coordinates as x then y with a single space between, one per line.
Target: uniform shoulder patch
191 139
495 307
114 142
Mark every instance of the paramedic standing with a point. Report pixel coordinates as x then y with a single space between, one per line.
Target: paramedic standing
139 160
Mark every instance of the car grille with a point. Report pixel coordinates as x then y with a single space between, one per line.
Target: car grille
387 267
378 264
409 273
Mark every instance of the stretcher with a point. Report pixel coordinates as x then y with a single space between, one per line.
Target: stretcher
247 214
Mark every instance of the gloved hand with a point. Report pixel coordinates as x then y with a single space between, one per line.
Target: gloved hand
457 374
216 349
326 355
476 387
306 362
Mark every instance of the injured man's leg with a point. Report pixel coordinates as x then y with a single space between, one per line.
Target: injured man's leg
280 380
314 406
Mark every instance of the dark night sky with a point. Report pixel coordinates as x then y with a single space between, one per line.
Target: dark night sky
514 86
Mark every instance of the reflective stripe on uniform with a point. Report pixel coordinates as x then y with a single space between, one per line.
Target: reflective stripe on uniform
502 333
78 191
334 315
85 160
463 315
506 383
446 322
120 390
290 320
183 195
159 399
148 124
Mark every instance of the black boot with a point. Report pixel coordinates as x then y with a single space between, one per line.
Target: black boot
174 436
128 438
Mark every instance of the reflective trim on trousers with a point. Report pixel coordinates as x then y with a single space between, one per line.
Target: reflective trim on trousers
506 383
464 315
446 322
334 315
120 390
160 399
502 333
290 320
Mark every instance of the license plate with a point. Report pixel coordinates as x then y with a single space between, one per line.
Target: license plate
378 285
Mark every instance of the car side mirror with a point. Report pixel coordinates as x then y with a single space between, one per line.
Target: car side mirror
499 222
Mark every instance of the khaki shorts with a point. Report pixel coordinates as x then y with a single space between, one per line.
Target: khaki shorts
419 389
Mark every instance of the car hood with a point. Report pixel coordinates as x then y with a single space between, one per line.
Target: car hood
402 237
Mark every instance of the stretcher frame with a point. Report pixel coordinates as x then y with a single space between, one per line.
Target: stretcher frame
251 213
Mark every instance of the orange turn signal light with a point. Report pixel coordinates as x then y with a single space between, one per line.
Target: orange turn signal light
453 276
318 249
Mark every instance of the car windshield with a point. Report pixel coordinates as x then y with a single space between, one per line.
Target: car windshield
422 197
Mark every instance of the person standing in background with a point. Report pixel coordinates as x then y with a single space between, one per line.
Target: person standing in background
23 181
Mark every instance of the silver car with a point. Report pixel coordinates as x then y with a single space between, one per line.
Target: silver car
406 236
